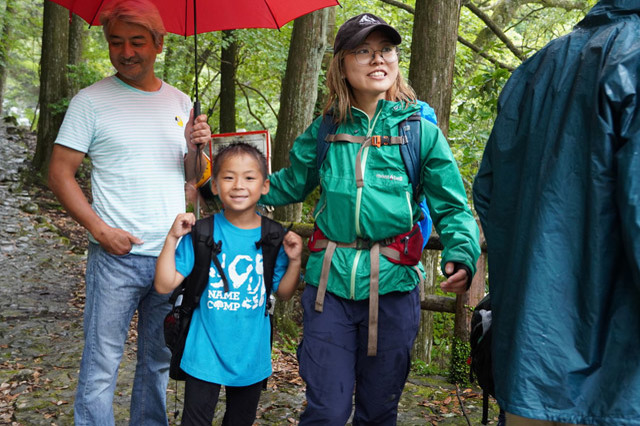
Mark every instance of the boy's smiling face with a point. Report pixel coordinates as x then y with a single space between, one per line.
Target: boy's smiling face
240 184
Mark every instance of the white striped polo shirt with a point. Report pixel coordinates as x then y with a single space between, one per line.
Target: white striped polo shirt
135 140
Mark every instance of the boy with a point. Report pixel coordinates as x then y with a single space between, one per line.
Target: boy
229 337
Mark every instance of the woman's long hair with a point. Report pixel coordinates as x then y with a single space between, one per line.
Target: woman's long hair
340 98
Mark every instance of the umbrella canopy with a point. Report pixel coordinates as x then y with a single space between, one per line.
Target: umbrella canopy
212 15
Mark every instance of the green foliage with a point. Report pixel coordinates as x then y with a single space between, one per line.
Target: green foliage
472 117
83 74
288 342
421 368
459 371
442 342
309 205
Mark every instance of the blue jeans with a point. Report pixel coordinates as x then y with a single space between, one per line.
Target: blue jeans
333 358
117 286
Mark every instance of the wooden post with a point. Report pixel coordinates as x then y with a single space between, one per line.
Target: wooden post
466 302
424 340
462 323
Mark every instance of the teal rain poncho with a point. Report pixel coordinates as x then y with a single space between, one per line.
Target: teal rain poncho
558 195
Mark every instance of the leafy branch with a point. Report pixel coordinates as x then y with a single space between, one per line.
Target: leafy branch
495 29
466 42
242 85
246 97
485 55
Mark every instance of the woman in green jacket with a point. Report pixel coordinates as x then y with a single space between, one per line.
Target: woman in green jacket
362 302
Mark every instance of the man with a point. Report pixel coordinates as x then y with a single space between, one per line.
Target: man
132 126
558 195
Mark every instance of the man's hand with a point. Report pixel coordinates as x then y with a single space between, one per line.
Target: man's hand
116 241
456 283
197 132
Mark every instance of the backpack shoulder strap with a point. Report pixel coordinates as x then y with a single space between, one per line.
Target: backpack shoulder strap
327 127
271 236
410 128
410 152
197 280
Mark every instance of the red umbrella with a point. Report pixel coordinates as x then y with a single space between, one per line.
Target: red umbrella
211 15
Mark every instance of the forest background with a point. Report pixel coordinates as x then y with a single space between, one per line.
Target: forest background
456 54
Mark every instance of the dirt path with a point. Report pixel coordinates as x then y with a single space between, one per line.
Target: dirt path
42 258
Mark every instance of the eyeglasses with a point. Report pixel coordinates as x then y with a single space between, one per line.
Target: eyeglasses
365 55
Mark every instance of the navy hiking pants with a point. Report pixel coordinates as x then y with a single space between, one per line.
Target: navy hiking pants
333 358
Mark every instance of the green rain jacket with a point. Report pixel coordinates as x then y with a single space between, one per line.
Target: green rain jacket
558 195
384 207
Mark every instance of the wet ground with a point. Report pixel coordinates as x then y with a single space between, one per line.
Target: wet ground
42 258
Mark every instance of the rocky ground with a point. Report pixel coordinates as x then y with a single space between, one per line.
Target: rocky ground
42 258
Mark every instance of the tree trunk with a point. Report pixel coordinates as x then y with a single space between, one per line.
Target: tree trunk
5 47
53 81
168 60
297 102
299 92
76 41
323 92
228 61
433 51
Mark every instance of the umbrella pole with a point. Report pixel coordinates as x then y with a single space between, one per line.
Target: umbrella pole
196 104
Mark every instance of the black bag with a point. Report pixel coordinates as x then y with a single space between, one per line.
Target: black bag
186 297
480 359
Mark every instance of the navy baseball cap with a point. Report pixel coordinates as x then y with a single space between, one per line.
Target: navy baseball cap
354 31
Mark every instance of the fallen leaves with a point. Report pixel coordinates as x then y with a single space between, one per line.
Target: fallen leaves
444 404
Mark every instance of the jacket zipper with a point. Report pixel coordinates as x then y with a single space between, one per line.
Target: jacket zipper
363 162
406 193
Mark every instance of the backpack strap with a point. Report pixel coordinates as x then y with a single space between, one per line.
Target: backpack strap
205 250
271 236
410 152
327 127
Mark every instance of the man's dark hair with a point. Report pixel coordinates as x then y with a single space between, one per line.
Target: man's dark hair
238 148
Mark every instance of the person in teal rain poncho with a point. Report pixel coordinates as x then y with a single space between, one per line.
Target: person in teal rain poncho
558 195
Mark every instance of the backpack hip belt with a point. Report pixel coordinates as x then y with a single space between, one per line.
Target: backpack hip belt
389 248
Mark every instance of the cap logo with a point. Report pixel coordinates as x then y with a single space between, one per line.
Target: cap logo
367 20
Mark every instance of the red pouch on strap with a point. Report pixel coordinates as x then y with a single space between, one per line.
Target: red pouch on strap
316 236
408 245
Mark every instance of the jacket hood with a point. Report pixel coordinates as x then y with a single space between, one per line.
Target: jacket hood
609 11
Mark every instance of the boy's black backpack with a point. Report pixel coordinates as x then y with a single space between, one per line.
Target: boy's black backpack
186 297
480 359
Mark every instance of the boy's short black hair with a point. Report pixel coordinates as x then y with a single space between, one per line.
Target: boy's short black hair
238 148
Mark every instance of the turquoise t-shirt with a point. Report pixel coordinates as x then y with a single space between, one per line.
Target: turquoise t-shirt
229 338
